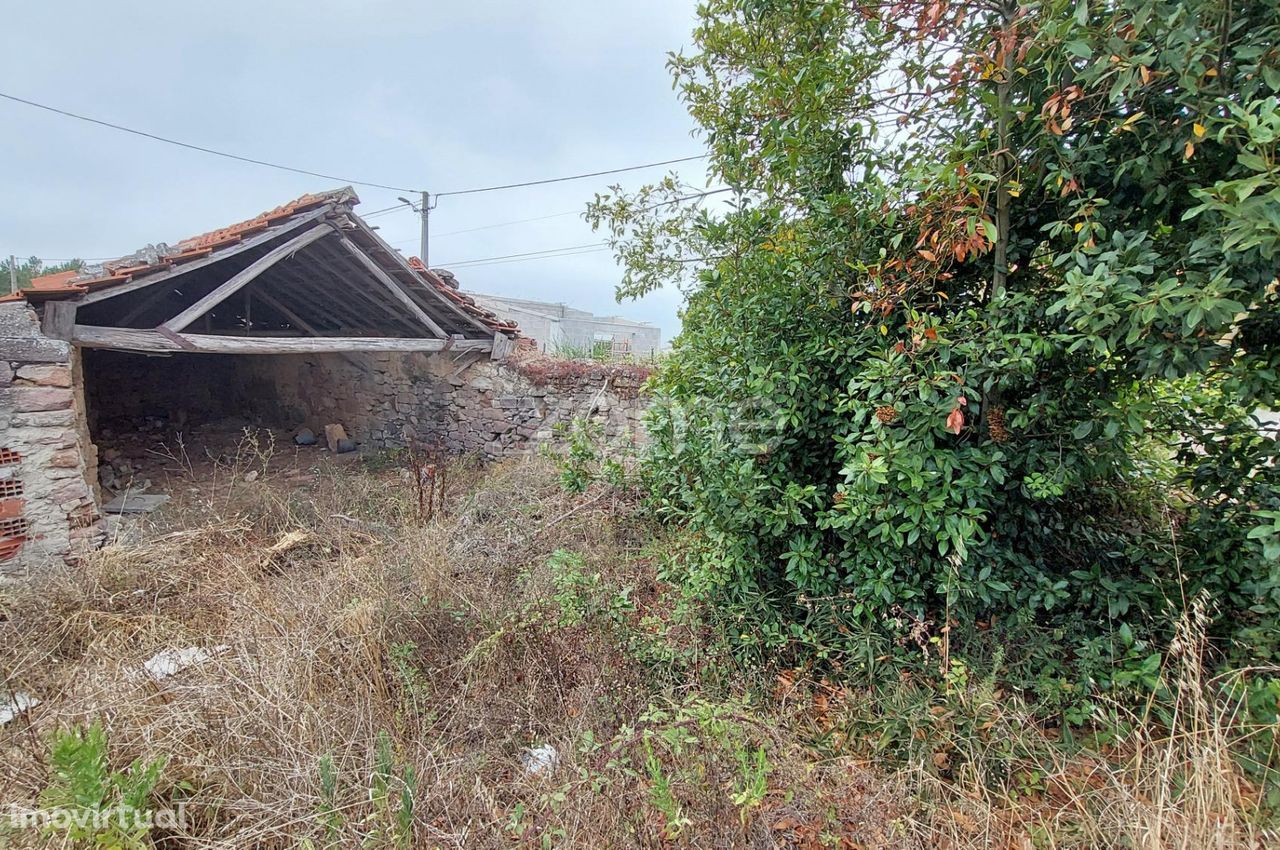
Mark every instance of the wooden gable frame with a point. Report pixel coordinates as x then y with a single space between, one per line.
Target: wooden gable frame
372 288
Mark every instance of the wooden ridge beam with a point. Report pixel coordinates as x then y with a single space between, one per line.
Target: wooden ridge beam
122 339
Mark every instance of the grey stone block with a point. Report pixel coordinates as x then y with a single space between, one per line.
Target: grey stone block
41 350
18 319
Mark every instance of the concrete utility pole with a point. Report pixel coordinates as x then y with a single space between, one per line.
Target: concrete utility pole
422 208
426 229
13 272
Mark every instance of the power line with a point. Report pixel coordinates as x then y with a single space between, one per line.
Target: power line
526 254
579 212
393 208
144 134
201 148
453 266
695 196
383 211
570 177
508 223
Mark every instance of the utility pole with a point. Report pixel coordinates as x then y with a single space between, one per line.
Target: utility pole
422 208
13 272
426 229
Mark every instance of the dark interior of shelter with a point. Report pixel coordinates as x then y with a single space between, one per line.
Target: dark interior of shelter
148 410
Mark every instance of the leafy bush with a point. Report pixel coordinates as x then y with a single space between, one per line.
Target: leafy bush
978 348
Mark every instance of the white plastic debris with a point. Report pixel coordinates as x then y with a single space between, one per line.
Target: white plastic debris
170 662
16 705
540 760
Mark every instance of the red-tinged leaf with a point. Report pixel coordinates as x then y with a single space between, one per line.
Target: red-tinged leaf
931 334
928 255
955 422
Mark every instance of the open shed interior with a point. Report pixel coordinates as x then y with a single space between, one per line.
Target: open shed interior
145 413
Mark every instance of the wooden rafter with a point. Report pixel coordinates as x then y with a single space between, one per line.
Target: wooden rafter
428 289
342 307
395 288
293 318
215 257
239 281
310 292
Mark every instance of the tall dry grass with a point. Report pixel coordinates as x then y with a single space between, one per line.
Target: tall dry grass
1173 777
346 620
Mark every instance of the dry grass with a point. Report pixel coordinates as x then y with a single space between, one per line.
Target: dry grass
346 620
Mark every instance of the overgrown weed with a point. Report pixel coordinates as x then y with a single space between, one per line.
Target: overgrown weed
382 678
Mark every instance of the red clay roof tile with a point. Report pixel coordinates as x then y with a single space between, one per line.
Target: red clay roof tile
58 280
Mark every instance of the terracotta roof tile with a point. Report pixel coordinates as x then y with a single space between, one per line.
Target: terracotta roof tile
158 258
54 281
443 280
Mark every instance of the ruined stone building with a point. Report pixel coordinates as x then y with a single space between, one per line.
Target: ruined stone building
301 316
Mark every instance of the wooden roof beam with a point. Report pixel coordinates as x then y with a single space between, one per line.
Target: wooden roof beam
239 281
214 257
162 340
392 286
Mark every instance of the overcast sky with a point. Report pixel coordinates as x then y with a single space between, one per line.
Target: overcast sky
428 94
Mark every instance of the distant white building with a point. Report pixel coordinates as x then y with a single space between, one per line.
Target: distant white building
559 328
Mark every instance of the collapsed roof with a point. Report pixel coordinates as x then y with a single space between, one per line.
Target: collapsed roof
309 275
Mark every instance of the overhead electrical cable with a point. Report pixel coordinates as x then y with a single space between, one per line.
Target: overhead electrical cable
201 148
597 250
570 177
265 163
576 212
525 254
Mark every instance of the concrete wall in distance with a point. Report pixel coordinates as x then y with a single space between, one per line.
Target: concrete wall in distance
554 326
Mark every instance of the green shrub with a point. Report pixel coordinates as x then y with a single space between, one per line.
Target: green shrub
991 378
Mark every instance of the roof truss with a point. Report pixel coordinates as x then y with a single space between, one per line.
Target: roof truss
321 281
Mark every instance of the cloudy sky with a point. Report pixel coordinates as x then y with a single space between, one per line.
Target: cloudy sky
433 95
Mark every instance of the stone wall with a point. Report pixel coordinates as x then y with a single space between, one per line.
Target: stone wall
53 397
510 408
462 403
470 404
48 510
